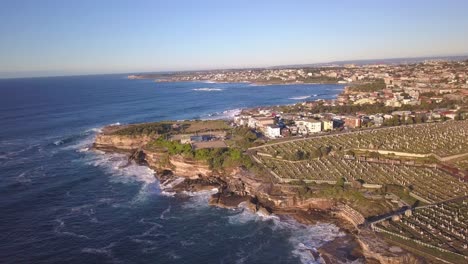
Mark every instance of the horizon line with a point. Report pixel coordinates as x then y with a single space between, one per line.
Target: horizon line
313 64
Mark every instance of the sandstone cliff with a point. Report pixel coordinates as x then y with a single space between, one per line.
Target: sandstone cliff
121 142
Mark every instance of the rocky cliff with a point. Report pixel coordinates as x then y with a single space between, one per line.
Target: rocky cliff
121 142
237 186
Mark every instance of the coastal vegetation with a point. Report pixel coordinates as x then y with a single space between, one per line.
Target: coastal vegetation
217 158
172 127
369 87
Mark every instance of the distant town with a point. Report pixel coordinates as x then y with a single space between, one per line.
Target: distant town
374 95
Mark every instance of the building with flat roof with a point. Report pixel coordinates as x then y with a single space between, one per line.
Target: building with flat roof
309 126
272 131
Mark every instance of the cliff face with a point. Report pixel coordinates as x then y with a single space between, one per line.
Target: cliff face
120 142
179 166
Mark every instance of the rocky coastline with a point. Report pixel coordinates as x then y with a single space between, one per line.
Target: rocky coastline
256 193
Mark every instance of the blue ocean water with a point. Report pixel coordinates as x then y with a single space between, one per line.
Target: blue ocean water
64 203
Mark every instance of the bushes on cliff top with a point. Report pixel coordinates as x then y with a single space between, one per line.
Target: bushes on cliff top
145 129
172 147
369 87
217 158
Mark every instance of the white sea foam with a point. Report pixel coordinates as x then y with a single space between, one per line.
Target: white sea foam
23 178
167 193
59 230
245 215
99 129
166 211
85 139
198 199
58 142
106 251
207 89
121 171
171 183
226 115
305 239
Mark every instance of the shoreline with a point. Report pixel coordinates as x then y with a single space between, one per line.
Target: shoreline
253 83
344 248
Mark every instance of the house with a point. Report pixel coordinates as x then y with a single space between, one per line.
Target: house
327 125
449 114
309 126
285 132
363 101
272 131
242 120
200 138
293 130
260 122
352 122
377 119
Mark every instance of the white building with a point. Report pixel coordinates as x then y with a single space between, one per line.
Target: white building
260 122
309 126
272 131
241 120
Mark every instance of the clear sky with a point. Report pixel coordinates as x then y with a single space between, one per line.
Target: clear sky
106 36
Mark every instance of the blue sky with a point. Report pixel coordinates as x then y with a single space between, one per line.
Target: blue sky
86 37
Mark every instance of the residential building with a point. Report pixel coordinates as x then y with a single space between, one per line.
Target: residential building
327 125
272 131
352 122
309 126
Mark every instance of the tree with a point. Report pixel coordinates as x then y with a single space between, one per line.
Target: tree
340 183
409 120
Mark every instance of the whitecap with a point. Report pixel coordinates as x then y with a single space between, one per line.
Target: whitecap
61 225
166 211
107 251
186 243
22 178
300 97
207 89
224 115
168 194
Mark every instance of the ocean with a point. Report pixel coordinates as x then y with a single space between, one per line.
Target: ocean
62 202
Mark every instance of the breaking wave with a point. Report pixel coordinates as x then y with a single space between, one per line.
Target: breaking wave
198 199
302 97
207 89
227 115
82 141
305 239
